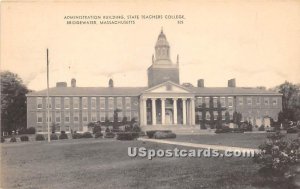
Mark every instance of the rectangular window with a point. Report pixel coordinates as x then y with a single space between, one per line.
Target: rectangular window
119 103
215 102
128 116
274 101
84 117
93 102
39 103
266 100
199 101
110 116
111 103
57 117
127 103
215 115
207 101
57 103
240 99
102 116
223 115
39 117
84 102
135 115
67 117
231 115
207 116
102 103
230 101
249 101
120 116
76 117
67 102
49 105
93 116
257 101
50 117
222 101
75 102
199 115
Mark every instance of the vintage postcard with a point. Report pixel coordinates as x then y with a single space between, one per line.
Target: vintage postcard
160 94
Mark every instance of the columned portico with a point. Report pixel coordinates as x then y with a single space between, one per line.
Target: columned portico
163 111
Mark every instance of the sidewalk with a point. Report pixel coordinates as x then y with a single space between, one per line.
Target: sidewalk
205 146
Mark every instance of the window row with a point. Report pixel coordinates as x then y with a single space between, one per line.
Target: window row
93 117
85 104
258 101
208 116
214 100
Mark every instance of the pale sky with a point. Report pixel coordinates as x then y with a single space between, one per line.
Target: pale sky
256 42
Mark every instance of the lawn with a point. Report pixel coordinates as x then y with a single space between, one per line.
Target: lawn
104 163
247 140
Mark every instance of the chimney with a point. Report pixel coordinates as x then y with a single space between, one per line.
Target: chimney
231 83
200 83
111 83
61 84
73 82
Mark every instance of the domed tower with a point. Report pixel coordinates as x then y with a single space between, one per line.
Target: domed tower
162 68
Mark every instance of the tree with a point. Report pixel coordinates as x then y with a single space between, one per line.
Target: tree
227 117
13 102
288 91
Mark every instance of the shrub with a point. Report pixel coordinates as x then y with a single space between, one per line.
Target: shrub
24 138
2 139
53 136
224 129
62 132
277 158
125 136
30 130
87 135
164 135
292 130
39 137
98 135
261 128
77 135
151 133
13 139
63 136
109 135
97 129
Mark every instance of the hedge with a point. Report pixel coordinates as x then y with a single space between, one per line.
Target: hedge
127 135
98 135
2 139
63 136
109 135
77 135
24 138
87 135
39 137
151 133
164 135
13 139
53 136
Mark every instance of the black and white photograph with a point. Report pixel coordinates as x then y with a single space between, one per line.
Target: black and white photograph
168 94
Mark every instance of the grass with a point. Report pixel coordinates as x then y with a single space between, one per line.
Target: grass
104 163
247 140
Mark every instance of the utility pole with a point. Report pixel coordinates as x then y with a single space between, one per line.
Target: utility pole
48 111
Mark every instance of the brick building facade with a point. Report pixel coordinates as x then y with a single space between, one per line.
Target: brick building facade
163 103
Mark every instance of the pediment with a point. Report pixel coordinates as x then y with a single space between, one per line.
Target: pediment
167 87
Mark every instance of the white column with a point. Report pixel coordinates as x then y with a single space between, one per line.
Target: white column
145 111
163 113
193 111
175 110
153 111
184 111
